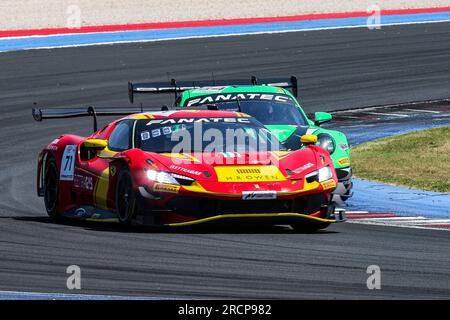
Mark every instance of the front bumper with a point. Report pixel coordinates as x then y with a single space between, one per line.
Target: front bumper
263 218
343 190
189 210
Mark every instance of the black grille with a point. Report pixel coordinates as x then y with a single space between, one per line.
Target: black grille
243 171
200 207
254 206
343 174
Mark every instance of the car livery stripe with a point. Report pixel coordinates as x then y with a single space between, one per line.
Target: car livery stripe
101 190
250 215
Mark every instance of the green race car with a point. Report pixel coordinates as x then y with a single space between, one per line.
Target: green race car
272 104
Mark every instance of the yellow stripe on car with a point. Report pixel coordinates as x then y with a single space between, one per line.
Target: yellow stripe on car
250 215
101 190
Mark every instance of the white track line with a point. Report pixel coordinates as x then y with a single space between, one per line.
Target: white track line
404 222
356 212
389 114
420 110
397 218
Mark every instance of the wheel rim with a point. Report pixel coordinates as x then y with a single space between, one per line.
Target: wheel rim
51 189
124 198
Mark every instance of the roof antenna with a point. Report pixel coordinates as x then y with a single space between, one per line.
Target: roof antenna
213 79
142 108
173 83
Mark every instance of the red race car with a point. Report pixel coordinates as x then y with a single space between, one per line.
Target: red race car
184 167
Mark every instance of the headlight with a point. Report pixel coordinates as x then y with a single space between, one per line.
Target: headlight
160 176
320 175
325 173
325 141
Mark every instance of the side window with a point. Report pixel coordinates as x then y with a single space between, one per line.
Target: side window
120 138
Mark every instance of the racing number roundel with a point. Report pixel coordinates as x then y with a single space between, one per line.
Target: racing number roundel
68 162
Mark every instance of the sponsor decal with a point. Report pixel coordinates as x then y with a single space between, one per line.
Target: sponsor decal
343 146
68 163
304 167
248 174
83 182
185 170
167 130
213 98
81 213
160 187
53 145
344 161
329 184
214 89
145 135
156 133
259 195
196 120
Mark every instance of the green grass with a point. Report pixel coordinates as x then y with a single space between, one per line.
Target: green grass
419 160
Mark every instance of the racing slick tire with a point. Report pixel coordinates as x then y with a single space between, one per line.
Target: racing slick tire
309 227
126 204
51 188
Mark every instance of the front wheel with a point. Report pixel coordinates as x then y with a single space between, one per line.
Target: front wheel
125 198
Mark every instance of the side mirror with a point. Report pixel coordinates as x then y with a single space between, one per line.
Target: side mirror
95 144
322 117
307 139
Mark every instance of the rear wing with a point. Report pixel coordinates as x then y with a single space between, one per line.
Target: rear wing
176 87
40 114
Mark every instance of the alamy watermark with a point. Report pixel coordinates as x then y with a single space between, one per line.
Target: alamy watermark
74 280
374 280
374 19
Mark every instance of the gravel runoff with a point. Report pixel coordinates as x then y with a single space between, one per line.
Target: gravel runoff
33 14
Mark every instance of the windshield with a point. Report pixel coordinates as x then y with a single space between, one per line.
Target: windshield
269 109
178 135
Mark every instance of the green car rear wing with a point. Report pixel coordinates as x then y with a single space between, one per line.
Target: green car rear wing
176 87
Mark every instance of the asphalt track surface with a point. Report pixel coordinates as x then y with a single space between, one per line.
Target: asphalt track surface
337 69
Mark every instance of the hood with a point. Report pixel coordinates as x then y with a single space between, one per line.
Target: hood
282 132
288 135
